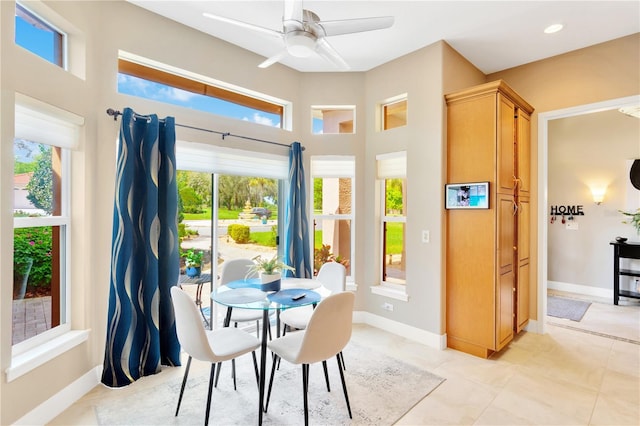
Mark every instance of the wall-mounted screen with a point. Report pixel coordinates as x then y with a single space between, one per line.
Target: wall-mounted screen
467 195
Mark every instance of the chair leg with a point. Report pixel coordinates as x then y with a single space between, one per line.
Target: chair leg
344 385
218 374
305 389
273 372
344 366
326 374
211 379
233 373
184 382
255 367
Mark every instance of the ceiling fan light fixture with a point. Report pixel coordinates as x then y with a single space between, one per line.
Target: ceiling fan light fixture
300 44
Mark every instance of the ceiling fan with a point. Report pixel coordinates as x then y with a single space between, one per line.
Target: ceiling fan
303 33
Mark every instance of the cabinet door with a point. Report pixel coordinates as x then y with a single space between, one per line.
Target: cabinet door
505 287
506 159
523 142
522 276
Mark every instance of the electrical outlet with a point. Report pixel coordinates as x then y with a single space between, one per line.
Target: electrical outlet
425 236
387 306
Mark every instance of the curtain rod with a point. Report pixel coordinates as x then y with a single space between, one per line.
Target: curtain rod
115 113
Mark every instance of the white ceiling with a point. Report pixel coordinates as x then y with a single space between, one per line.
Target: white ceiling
493 35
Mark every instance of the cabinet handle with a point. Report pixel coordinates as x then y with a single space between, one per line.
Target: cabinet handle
516 183
515 208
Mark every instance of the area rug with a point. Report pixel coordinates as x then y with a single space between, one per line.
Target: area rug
561 307
381 390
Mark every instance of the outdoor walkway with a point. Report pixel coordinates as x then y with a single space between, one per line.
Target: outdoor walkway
30 317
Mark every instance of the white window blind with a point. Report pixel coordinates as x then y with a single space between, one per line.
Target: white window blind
199 157
333 166
392 165
43 123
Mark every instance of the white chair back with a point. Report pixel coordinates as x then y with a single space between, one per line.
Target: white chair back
329 329
333 276
189 327
234 269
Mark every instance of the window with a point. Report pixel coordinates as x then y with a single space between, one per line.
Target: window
333 212
170 85
41 249
393 113
39 37
393 203
333 119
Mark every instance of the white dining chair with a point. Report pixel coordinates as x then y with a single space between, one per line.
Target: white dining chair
236 269
233 270
316 343
206 345
333 277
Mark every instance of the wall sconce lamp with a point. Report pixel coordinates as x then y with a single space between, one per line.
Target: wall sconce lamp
598 194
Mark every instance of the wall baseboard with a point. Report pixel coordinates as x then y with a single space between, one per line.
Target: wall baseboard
59 402
581 289
427 338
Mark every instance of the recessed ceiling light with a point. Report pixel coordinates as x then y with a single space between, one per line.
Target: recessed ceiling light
554 28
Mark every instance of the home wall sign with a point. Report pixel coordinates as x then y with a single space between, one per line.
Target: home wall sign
567 210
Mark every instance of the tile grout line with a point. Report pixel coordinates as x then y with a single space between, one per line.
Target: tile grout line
595 333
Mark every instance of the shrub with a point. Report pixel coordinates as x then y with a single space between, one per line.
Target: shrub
239 233
32 245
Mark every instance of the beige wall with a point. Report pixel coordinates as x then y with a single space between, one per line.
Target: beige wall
424 75
584 151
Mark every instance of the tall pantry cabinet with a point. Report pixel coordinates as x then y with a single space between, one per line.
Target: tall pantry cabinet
487 250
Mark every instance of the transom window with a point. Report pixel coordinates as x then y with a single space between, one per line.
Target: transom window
393 112
152 83
38 36
333 119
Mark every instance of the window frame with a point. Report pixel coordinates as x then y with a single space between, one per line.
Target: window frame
383 107
156 72
389 166
60 45
351 217
32 119
63 222
315 109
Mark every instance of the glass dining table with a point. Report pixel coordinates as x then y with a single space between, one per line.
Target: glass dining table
246 294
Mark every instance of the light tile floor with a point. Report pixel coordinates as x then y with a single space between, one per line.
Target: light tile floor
568 376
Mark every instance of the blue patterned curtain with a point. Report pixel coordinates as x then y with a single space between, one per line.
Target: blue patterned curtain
297 251
141 333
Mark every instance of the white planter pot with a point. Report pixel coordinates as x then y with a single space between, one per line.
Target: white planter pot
267 278
270 282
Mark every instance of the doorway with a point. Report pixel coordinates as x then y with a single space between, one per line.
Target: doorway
543 188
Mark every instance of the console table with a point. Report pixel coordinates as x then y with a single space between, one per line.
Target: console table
624 251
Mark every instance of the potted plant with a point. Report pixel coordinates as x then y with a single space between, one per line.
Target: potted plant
193 262
633 219
270 270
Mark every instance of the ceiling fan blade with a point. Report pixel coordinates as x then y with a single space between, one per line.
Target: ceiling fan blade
327 51
349 26
292 10
263 30
273 59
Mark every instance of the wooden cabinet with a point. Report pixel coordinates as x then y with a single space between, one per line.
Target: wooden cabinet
488 250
